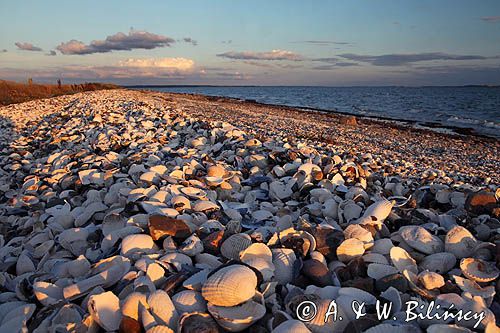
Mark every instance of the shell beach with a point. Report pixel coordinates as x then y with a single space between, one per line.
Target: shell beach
136 211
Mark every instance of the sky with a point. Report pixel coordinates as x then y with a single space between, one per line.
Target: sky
325 43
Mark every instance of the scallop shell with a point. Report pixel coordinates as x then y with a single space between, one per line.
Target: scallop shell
460 242
402 260
438 262
421 239
163 309
284 261
360 233
318 323
237 318
350 249
230 286
105 310
131 306
379 210
188 301
135 245
430 280
234 244
197 322
292 326
378 271
479 270
260 257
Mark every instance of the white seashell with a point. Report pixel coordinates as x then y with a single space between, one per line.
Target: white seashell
260 257
421 239
392 295
24 264
191 246
156 274
135 245
283 261
163 309
388 328
460 242
319 257
479 270
318 324
160 329
373 257
105 310
205 206
350 249
188 301
382 246
130 307
358 294
471 287
360 233
378 271
438 262
206 260
431 280
47 293
230 286
234 244
177 259
330 208
443 328
402 260
379 210
292 325
237 318
78 267
15 315
197 280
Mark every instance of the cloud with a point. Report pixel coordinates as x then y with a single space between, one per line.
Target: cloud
3 51
51 53
190 40
405 59
118 42
335 66
27 47
272 55
491 18
322 42
181 64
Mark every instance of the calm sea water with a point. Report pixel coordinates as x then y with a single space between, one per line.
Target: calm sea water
465 107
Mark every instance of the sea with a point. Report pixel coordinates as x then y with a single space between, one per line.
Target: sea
465 110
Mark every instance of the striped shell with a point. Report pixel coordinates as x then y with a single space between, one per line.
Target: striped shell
318 324
260 257
189 301
438 262
402 260
234 244
230 286
421 240
162 308
460 242
283 260
350 249
237 318
479 270
379 210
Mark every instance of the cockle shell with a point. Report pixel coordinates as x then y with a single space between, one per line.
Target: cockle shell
188 301
318 323
402 260
421 239
260 257
163 309
460 242
234 244
105 310
284 262
438 262
230 286
237 318
360 233
292 326
430 280
479 270
350 249
379 210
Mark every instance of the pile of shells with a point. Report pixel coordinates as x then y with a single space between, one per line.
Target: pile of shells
130 216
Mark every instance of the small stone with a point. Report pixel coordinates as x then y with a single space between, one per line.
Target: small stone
481 202
349 120
162 226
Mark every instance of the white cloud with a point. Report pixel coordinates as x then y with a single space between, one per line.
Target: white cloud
181 64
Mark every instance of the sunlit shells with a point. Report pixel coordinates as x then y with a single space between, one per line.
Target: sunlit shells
188 301
162 226
421 239
460 242
135 245
234 244
430 280
479 270
230 286
260 257
105 310
237 318
402 260
379 210
284 261
350 249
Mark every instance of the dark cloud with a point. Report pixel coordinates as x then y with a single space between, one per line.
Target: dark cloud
3 51
117 42
51 53
405 59
491 18
272 55
335 66
27 47
190 40
322 42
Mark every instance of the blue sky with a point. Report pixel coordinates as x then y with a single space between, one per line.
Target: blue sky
357 42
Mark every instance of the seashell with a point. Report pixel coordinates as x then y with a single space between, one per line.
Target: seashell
197 322
205 206
260 257
230 286
479 270
160 329
131 306
105 310
421 240
443 328
156 274
378 271
24 264
438 262
234 244
177 260
413 283
135 245
402 260
373 257
78 267
180 203
382 246
328 292
193 192
388 328
47 293
392 295
196 281
460 242
284 262
163 309
431 280
162 226
237 318
360 233
191 246
206 260
379 210
316 255
188 301
350 249
471 287
318 323
15 315
300 240
292 325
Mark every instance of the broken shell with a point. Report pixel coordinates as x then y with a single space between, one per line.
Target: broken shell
230 286
197 322
131 306
105 310
379 210
402 260
378 271
431 280
421 239
237 318
460 242
135 245
163 309
438 262
188 301
350 249
479 270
